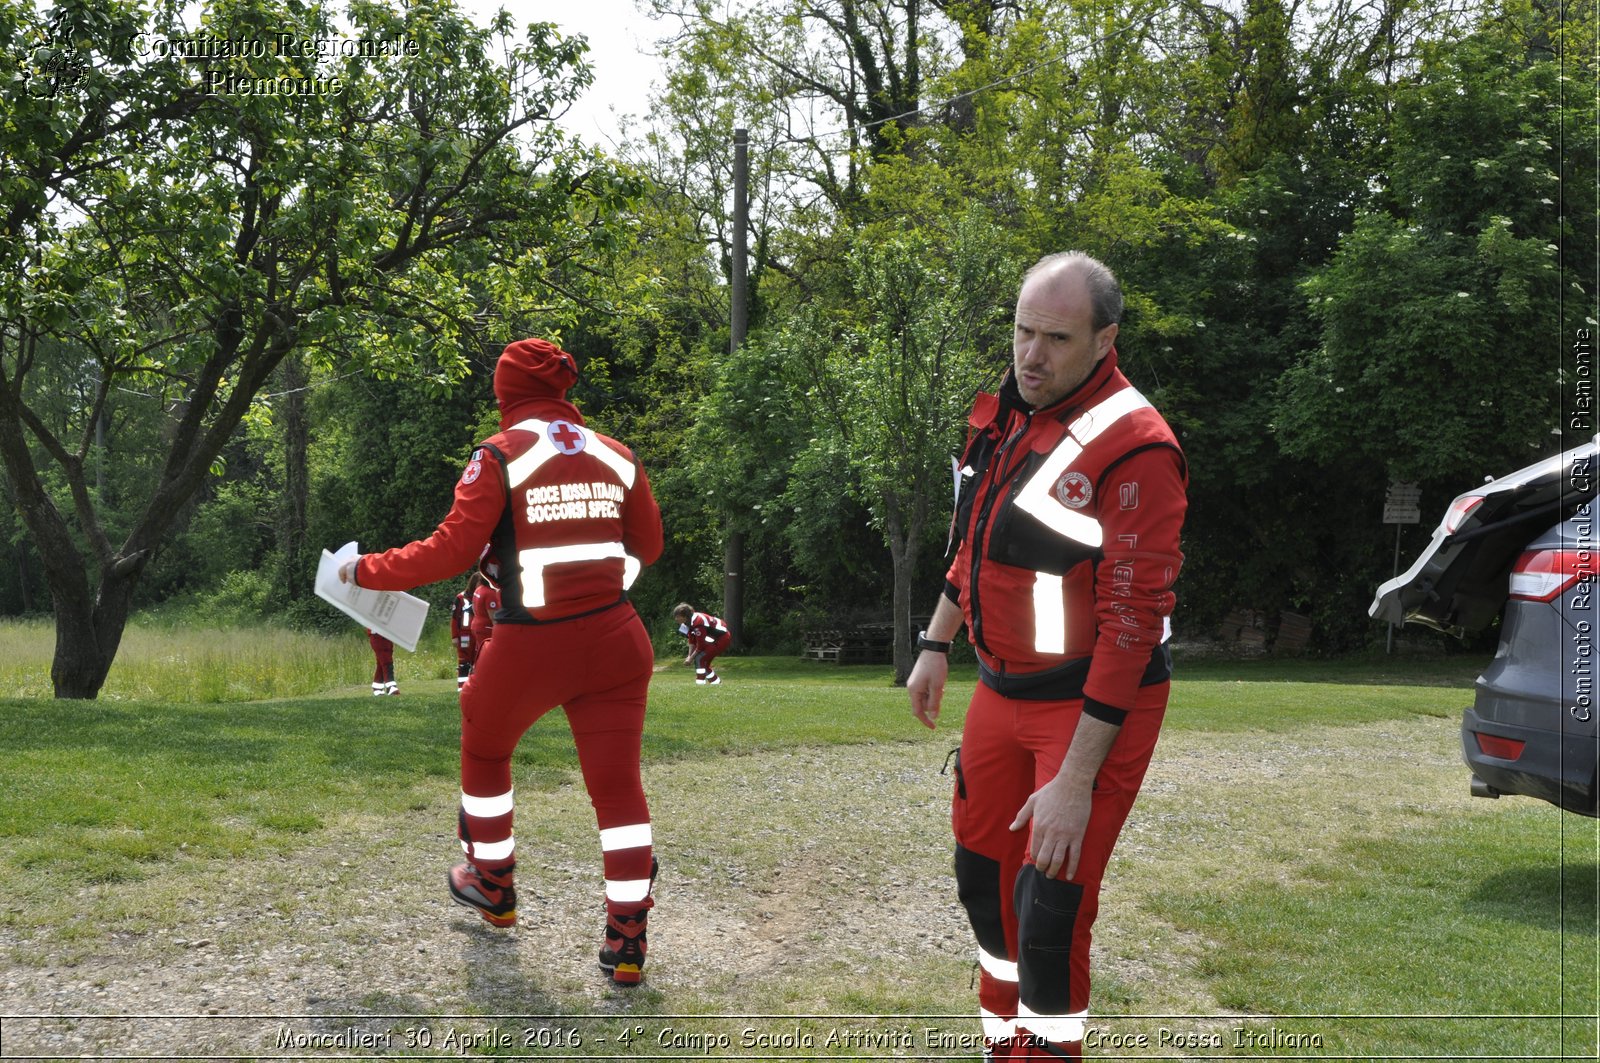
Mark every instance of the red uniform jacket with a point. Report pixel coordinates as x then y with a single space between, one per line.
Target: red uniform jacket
568 513
704 630
1068 519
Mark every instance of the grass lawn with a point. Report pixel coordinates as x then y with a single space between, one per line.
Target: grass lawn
1304 877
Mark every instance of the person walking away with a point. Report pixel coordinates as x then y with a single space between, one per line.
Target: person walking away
569 521
485 604
461 630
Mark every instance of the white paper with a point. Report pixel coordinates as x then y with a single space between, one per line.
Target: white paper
395 615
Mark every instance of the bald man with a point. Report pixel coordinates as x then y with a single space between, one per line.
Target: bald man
1071 501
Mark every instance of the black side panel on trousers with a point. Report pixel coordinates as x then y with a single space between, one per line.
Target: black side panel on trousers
1047 910
978 887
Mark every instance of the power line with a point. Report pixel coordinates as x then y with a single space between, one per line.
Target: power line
1025 72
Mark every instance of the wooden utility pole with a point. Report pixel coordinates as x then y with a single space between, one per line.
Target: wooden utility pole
733 549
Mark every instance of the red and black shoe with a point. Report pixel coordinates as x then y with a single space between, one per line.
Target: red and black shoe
490 892
622 955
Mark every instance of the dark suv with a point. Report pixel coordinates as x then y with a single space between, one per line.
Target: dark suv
1523 547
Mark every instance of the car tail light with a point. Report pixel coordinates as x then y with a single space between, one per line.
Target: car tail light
1540 575
1460 509
1502 748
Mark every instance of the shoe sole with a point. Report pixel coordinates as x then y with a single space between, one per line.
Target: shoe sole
503 921
623 973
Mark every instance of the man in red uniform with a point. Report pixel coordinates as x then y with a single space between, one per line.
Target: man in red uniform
569 519
461 630
708 637
1072 497
485 603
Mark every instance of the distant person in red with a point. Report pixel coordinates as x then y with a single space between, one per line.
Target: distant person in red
461 630
708 637
485 604
569 520
383 673
471 623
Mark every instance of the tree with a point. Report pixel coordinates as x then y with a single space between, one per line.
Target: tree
891 377
169 232
1441 315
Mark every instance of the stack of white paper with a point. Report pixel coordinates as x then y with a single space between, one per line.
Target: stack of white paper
395 615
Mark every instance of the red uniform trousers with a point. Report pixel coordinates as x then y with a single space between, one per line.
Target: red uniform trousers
383 652
598 669
708 652
1033 932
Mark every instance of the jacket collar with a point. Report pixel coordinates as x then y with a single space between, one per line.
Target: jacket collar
992 411
1099 377
545 409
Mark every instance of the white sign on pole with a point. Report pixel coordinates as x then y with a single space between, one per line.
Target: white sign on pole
1403 504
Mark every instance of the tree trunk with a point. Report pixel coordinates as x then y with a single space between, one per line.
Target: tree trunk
87 637
903 552
296 478
21 552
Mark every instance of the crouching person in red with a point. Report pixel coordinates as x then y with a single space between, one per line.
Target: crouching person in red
569 519
708 636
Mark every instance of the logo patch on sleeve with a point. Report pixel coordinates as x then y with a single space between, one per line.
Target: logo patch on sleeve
470 473
1074 490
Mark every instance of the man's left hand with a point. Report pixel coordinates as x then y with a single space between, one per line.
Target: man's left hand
347 572
1060 814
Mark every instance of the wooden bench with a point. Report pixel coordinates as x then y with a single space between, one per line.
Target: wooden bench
863 644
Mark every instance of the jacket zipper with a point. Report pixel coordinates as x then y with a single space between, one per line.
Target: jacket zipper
996 489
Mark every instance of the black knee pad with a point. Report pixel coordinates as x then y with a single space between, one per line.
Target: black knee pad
978 888
1047 917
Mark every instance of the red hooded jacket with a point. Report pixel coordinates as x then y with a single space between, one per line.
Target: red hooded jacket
567 512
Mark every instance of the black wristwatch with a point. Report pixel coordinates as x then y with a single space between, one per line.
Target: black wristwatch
925 643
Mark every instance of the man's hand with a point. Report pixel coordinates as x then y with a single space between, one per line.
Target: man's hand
1060 808
1060 813
347 571
926 686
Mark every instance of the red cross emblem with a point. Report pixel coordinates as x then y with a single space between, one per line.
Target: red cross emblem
1074 490
566 437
